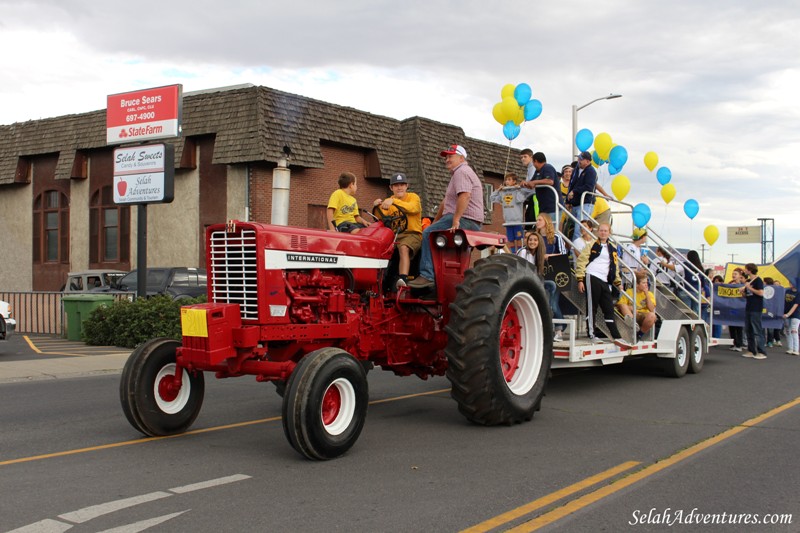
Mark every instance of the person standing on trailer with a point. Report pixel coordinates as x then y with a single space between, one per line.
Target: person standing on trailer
597 266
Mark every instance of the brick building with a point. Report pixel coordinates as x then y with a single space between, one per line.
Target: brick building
56 204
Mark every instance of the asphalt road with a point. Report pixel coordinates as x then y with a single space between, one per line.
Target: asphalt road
612 449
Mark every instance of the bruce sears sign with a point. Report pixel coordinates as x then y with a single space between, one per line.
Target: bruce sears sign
144 174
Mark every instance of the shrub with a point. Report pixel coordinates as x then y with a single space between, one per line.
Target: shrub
128 324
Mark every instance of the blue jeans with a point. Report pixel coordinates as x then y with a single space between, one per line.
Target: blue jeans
446 222
552 292
581 215
755 332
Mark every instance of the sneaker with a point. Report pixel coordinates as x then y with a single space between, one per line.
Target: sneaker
420 282
747 354
732 348
557 337
759 356
737 348
769 345
790 352
795 352
778 343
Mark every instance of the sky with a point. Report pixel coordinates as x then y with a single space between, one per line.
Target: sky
710 86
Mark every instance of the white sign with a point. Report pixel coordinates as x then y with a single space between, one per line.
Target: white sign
141 115
144 174
744 234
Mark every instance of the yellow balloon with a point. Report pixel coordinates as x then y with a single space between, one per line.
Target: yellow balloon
651 160
603 145
520 118
668 193
498 114
711 234
507 90
621 186
510 108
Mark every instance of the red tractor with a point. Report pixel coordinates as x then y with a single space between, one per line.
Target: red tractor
313 311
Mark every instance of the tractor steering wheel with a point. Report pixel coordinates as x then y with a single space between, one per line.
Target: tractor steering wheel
396 219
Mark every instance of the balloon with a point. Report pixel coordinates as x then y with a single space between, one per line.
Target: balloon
522 93
511 130
641 215
612 170
691 208
583 139
711 234
533 109
510 108
621 186
520 117
650 160
596 159
668 193
507 91
602 143
499 114
618 157
663 175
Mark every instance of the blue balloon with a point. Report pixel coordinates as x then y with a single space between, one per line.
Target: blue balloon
596 158
584 139
522 93
511 130
641 215
533 109
691 208
612 170
618 157
664 175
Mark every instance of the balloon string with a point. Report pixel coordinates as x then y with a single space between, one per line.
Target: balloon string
508 156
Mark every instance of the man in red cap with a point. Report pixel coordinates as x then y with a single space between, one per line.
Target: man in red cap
462 207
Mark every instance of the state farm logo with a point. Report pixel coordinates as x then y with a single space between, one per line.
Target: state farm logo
123 134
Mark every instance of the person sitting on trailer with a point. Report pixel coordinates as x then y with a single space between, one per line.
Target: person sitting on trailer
597 266
645 305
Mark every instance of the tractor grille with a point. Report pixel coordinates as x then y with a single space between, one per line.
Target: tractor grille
233 272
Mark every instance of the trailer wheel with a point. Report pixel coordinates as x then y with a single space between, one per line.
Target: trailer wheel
149 401
500 343
676 367
698 350
325 404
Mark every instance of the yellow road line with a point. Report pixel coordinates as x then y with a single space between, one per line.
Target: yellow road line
588 499
513 514
193 432
33 347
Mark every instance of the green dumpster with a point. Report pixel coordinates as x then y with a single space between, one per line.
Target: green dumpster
78 307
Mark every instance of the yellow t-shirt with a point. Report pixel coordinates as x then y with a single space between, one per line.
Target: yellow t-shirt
600 206
345 207
641 306
413 209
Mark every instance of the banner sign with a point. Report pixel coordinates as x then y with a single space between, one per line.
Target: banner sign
144 115
729 306
557 269
744 234
144 174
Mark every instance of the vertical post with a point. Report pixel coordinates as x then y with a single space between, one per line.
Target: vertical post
702 252
141 251
574 148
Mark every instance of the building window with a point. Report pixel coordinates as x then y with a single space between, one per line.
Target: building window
51 228
109 228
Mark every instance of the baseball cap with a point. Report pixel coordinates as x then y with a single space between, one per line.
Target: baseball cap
398 178
585 155
638 233
453 150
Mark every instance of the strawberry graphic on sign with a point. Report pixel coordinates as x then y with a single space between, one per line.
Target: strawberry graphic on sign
122 187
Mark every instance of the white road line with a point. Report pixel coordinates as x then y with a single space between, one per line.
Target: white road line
87 513
144 524
210 483
45 526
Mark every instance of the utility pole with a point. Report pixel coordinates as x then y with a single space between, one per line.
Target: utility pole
702 252
732 256
767 240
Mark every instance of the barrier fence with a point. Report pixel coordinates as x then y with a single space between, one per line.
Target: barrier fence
41 311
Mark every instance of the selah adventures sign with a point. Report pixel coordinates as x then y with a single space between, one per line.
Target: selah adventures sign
144 174
144 115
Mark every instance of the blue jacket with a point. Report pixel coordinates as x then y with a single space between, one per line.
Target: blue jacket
585 182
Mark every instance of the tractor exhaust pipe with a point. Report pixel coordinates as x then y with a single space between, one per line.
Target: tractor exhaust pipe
280 191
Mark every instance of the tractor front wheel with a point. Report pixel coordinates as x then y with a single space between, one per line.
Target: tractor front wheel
150 400
500 343
325 404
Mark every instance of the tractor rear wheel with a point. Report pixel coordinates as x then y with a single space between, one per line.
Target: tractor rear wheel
325 404
500 343
149 399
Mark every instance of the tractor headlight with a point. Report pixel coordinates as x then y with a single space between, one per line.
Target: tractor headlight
440 241
458 239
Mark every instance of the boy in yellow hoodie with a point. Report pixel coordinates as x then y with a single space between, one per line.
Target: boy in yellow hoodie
409 242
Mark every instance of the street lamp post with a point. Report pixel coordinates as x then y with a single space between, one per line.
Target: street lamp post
575 110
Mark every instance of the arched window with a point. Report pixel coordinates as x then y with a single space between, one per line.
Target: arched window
51 228
109 229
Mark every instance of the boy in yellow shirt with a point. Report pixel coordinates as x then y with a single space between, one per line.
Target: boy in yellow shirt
343 207
645 304
409 242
